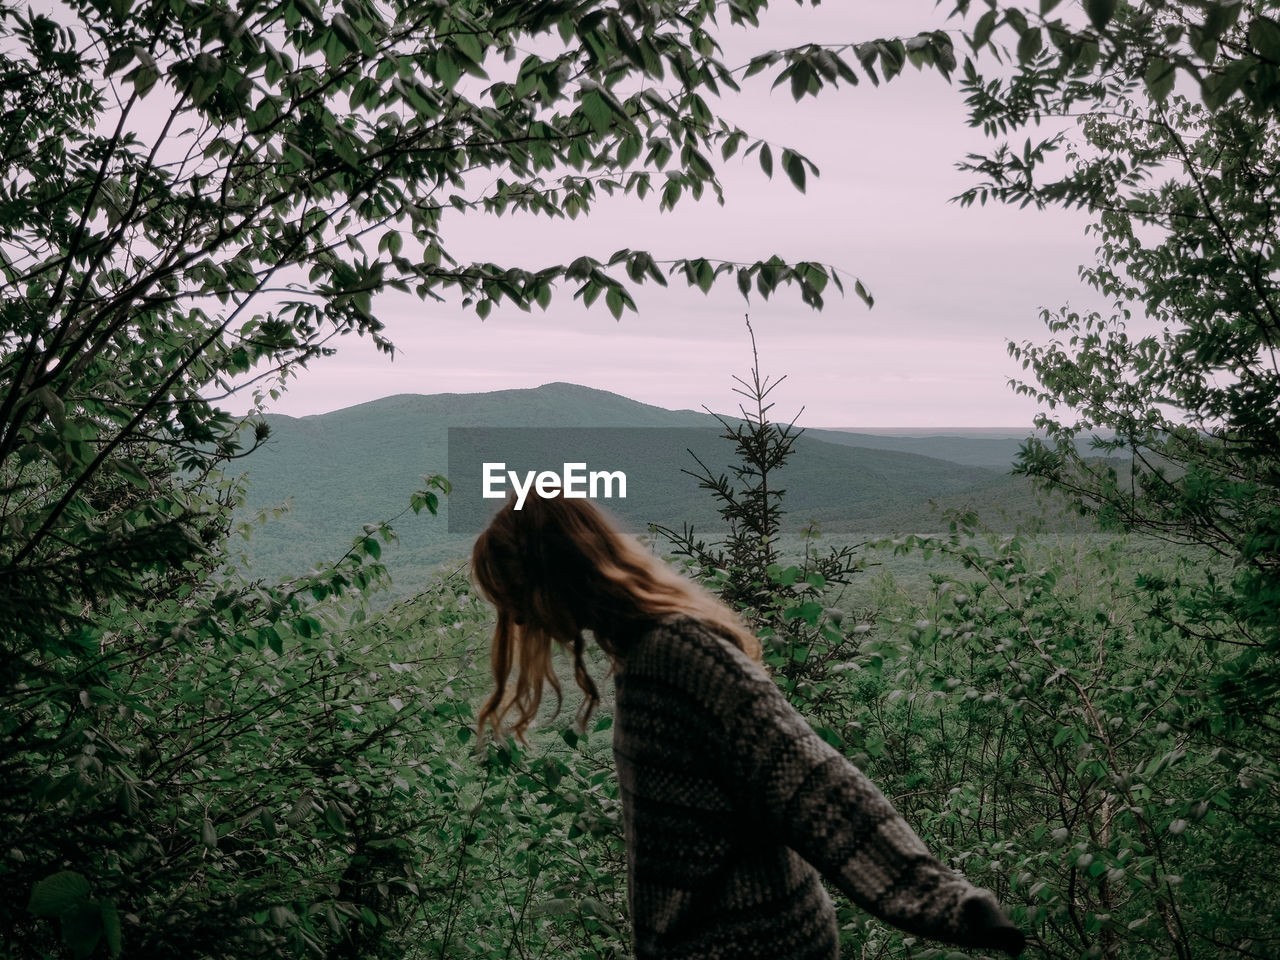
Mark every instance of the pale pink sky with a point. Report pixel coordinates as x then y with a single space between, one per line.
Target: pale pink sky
951 284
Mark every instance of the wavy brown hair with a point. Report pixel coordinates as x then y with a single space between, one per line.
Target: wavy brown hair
558 567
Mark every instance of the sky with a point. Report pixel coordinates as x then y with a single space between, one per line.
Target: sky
952 285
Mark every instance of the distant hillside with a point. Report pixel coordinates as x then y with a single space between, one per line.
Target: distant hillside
360 464
995 448
979 451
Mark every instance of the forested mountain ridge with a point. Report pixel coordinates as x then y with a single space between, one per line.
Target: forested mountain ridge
359 465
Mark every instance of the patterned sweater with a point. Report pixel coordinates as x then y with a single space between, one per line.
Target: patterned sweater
730 801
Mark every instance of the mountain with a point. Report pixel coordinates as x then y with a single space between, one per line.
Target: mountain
996 448
360 464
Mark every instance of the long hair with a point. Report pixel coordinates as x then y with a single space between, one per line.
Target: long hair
556 567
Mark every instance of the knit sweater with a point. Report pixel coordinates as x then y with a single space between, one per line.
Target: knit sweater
730 801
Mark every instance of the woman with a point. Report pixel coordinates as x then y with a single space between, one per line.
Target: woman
731 803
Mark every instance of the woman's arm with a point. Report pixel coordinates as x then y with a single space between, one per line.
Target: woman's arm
819 804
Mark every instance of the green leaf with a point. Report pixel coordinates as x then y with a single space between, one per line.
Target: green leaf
1030 44
263 117
614 300
469 45
766 160
983 29
597 111
809 611
893 55
706 275
1159 78
132 474
802 78
758 63
334 818
54 407
82 928
628 149
1100 12
670 192
58 893
1216 89
111 927
143 78
117 59
446 69
793 164
862 293
1264 36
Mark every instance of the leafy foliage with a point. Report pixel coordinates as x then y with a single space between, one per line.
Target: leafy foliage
199 197
193 196
1175 158
1045 732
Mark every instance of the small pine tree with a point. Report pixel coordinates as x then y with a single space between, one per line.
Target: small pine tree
783 604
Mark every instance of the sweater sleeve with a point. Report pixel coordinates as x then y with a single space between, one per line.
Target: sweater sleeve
824 808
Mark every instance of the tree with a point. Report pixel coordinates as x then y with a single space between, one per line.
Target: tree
783 603
197 197
197 194
1164 123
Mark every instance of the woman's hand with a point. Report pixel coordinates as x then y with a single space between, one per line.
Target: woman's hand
991 929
